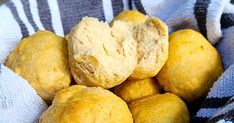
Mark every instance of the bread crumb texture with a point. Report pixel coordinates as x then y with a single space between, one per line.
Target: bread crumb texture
100 55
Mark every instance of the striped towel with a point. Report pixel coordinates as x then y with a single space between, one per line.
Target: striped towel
21 18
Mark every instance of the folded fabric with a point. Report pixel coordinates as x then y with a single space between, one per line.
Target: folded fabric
213 18
219 102
19 102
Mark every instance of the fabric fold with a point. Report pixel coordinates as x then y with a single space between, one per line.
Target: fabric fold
19 102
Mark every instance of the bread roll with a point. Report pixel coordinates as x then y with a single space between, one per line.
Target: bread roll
81 104
100 55
152 48
159 108
151 35
192 67
42 59
134 89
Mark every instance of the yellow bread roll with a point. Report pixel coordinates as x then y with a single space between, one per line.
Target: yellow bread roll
151 36
192 67
152 48
81 104
134 89
100 55
42 59
132 16
159 108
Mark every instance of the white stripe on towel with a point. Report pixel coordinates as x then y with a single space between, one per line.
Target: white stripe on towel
214 12
9 33
19 8
34 11
125 4
108 10
207 112
55 16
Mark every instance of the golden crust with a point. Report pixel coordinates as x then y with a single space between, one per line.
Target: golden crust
134 89
159 108
192 67
81 104
42 59
133 17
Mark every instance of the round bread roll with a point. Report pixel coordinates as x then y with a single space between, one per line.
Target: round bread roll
100 55
151 36
133 89
152 48
192 67
42 59
81 104
159 108
132 16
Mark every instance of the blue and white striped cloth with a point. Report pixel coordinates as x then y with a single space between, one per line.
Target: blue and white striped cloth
21 18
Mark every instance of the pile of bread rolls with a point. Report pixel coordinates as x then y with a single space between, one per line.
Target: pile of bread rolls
127 71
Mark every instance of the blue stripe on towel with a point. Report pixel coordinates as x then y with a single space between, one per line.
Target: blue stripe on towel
139 6
27 11
117 6
72 11
44 14
200 11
